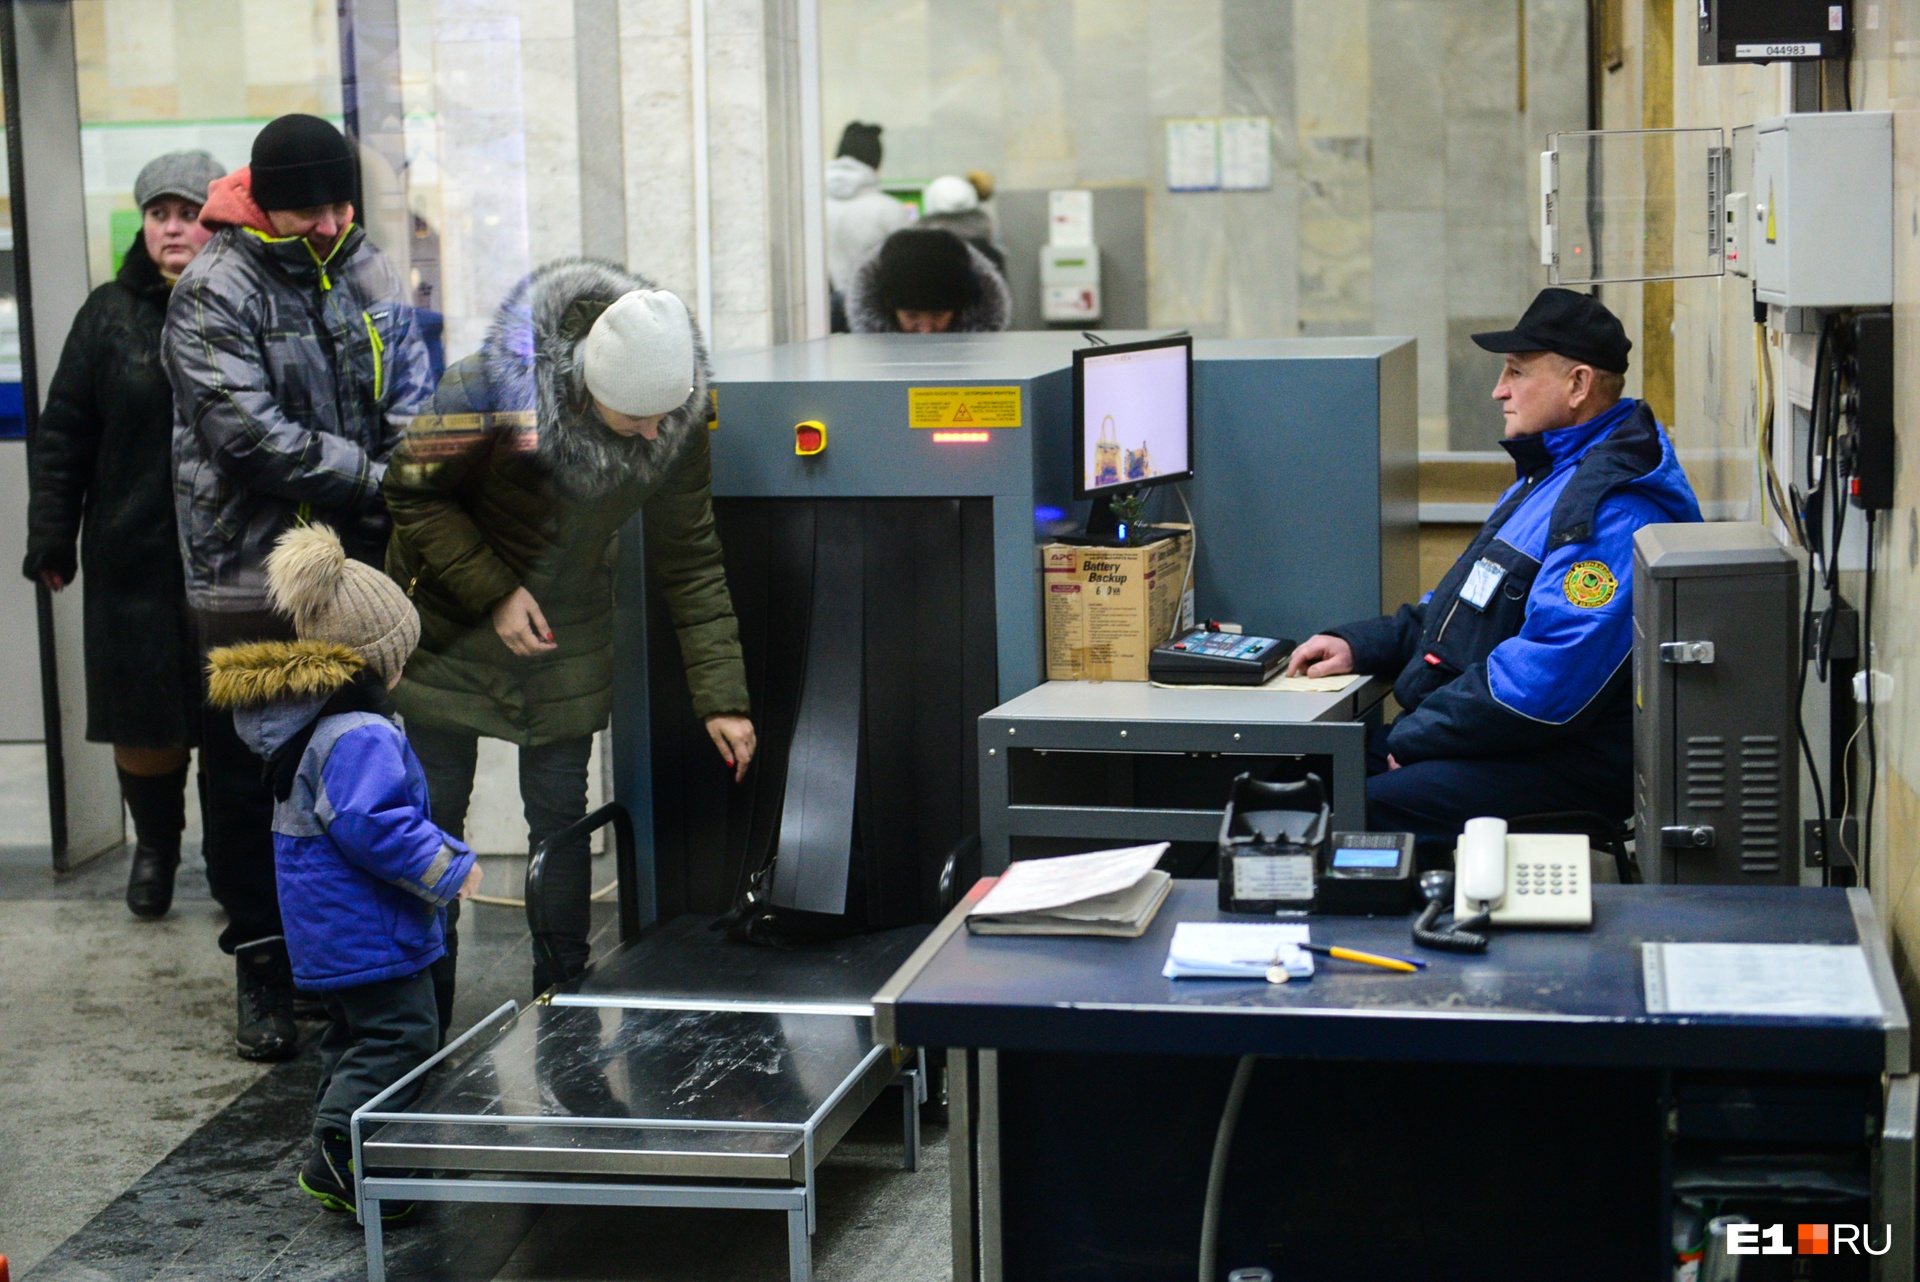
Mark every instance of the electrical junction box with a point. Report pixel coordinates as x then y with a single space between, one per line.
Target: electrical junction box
1070 283
1734 31
1819 231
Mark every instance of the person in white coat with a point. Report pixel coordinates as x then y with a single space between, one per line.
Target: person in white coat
859 215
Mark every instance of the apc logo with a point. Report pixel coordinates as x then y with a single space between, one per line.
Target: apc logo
1812 1239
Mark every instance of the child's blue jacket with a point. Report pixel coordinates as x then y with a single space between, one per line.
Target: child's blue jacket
364 875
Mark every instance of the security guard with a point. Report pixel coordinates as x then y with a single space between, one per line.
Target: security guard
1513 673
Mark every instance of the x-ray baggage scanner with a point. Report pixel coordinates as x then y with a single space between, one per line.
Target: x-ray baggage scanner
880 501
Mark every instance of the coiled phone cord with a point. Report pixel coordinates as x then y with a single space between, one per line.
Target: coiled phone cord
1458 936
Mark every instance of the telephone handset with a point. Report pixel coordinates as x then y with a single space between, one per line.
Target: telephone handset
1522 879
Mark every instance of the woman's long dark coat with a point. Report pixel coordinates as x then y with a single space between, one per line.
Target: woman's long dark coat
101 463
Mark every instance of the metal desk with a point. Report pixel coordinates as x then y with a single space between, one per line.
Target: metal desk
1104 724
1558 1018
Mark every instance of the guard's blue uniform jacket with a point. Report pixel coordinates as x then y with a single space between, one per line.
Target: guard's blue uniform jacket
1525 643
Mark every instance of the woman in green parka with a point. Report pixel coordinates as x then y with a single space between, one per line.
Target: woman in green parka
587 403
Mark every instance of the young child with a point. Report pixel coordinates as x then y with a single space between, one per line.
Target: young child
364 875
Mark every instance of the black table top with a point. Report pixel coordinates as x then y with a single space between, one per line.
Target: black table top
1566 997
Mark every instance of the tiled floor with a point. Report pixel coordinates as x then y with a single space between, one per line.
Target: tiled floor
135 1146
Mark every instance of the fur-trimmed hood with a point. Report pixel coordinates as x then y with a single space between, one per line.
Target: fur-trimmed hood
532 359
991 312
278 689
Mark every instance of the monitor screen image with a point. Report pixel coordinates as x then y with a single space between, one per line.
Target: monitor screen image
1135 407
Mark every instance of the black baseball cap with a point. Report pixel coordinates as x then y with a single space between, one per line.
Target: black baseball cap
1576 326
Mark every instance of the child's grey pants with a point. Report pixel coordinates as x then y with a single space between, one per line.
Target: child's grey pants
376 1034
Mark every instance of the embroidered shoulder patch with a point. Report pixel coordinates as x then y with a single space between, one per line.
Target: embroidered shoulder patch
1590 584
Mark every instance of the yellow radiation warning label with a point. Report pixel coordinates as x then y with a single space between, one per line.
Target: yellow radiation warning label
963 407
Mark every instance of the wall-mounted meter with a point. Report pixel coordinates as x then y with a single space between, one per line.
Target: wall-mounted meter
1070 260
1814 218
1733 31
1070 283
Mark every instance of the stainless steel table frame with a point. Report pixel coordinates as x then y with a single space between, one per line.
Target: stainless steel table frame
1134 718
550 1099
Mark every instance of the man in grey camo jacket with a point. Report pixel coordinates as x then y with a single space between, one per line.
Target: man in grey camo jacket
296 364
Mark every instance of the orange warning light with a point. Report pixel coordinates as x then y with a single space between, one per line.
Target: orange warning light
809 437
962 438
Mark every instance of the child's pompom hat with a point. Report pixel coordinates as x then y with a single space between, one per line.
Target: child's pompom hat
333 598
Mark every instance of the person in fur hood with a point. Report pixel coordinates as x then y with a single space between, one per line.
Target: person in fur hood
586 403
364 875
928 281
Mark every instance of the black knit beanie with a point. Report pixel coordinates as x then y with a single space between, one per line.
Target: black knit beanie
926 270
862 142
300 161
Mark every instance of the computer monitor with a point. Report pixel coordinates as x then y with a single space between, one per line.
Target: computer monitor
1132 422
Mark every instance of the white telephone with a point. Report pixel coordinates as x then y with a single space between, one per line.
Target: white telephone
1522 879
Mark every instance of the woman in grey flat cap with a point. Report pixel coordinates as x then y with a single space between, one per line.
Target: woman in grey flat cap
101 462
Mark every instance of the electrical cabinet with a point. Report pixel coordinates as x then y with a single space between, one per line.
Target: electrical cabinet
1811 221
1716 654
1821 209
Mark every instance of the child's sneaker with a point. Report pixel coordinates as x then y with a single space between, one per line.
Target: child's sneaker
328 1176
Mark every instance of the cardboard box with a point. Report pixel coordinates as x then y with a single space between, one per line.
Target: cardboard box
1106 608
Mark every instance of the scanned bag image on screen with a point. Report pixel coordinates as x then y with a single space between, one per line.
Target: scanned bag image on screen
1138 397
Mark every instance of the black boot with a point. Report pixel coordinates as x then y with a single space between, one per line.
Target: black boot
158 804
265 1029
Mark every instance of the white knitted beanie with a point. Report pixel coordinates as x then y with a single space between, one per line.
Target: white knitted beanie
332 598
948 195
638 357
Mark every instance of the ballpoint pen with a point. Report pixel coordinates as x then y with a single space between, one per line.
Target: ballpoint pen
1382 960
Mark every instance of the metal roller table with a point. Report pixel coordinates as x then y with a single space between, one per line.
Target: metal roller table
683 1070
1518 1112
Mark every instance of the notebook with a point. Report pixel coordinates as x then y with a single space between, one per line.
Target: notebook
1237 950
1105 892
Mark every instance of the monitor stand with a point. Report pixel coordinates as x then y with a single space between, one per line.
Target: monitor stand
1103 528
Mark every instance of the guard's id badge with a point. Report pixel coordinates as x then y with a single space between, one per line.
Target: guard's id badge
1481 582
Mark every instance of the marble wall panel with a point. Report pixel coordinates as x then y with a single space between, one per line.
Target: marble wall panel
140 44
548 72
967 121
1112 113
1408 112
1488 270
1336 235
1036 44
1183 58
480 128
1187 256
1410 297
1263 283
656 79
1334 84
601 141
293 44
1263 228
1474 421
875 65
1481 56
737 105
207 47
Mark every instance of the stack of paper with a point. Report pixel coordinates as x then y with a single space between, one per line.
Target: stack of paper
1237 950
1108 892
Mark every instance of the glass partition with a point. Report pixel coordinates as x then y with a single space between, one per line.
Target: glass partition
1637 204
